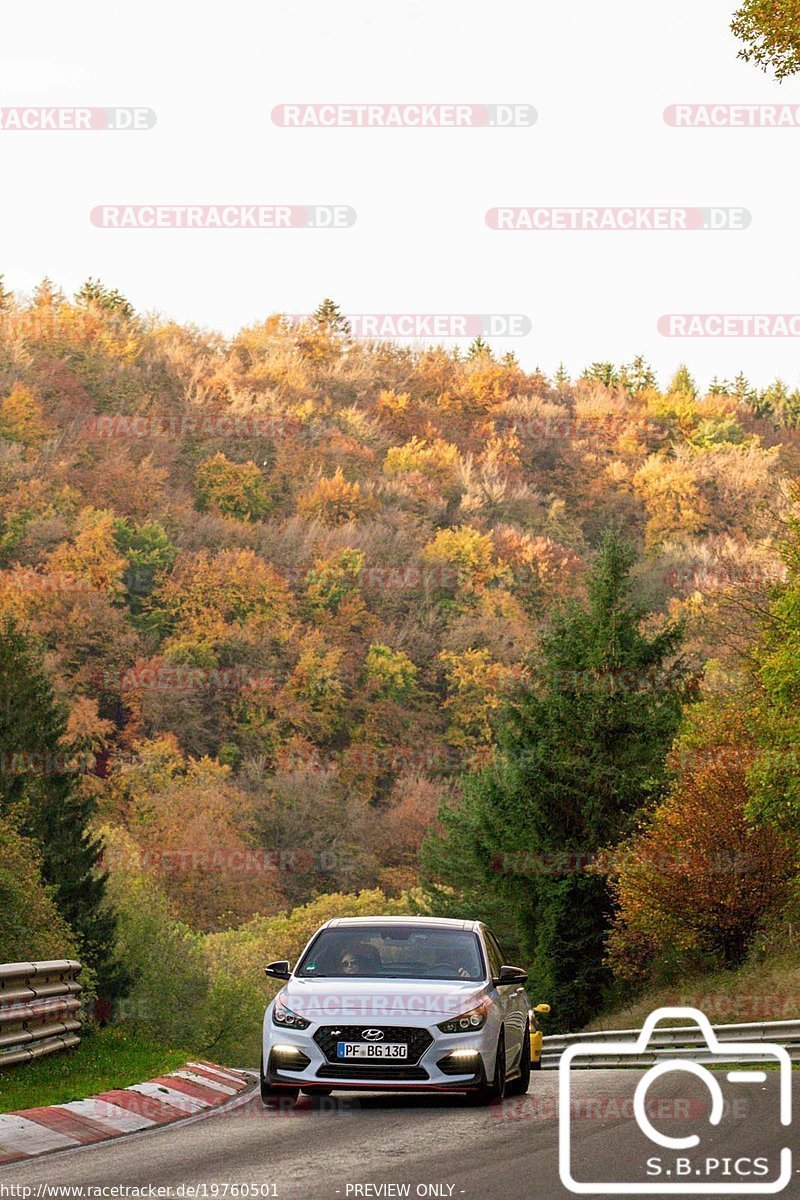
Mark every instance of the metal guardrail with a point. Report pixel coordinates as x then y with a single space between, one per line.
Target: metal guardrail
39 1003
673 1042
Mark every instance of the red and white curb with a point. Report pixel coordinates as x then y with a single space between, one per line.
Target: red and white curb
185 1093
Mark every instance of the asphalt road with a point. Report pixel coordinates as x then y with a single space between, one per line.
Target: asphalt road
354 1146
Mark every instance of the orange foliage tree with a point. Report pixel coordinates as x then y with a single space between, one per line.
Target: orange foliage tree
191 826
92 556
475 690
21 416
212 599
698 876
334 501
234 489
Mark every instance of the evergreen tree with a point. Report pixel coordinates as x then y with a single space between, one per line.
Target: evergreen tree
478 346
580 752
637 376
778 402
744 392
602 372
329 316
683 383
790 415
38 794
149 552
561 379
771 401
93 292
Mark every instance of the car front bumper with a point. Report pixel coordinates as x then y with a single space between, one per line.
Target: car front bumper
306 1065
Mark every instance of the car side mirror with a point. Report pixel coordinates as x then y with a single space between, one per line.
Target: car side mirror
510 975
542 1009
278 970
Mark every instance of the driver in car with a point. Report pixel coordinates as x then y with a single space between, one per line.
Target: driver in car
358 959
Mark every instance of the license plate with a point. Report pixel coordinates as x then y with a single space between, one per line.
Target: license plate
371 1050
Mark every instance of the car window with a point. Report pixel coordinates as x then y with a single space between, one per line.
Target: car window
496 960
393 952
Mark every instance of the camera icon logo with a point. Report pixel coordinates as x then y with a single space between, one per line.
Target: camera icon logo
686 1168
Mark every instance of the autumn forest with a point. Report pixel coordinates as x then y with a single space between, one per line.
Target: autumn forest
279 597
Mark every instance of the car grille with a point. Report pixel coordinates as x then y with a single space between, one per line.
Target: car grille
380 1072
417 1040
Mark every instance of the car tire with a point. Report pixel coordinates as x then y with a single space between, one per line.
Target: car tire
490 1093
536 1066
275 1097
519 1087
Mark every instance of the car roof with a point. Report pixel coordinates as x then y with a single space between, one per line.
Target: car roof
442 922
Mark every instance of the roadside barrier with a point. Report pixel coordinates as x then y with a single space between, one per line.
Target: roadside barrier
673 1042
39 1003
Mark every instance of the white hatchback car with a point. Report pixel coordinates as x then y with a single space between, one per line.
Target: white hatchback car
401 1003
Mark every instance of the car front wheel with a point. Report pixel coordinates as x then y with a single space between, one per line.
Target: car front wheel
275 1097
518 1087
488 1093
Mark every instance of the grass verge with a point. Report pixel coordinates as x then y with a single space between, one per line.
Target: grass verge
106 1059
765 989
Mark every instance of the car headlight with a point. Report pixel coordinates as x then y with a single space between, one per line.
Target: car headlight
283 1016
466 1023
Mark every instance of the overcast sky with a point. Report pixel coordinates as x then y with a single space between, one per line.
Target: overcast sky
599 75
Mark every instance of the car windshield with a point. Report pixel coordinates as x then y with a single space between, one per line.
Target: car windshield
393 952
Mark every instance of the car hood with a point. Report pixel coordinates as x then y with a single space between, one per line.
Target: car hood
317 999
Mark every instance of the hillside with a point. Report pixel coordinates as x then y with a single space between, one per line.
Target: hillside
283 583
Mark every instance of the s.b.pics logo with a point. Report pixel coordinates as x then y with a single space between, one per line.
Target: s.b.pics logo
723 1148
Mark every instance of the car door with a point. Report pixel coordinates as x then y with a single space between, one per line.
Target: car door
513 1004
